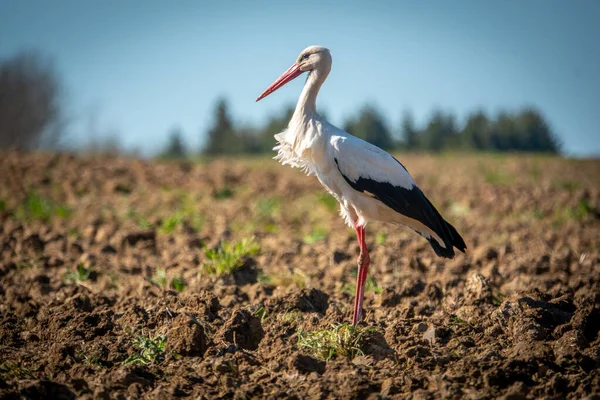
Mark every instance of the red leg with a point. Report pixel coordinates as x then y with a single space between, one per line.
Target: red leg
361 276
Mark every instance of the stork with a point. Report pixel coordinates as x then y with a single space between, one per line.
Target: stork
369 183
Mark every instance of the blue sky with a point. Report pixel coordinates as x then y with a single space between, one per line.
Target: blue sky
138 68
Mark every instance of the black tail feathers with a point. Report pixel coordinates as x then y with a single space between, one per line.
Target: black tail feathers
451 239
457 240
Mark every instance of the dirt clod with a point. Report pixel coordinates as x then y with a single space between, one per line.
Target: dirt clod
306 364
312 300
243 329
186 337
147 237
478 289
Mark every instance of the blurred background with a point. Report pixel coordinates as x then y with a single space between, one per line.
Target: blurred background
173 79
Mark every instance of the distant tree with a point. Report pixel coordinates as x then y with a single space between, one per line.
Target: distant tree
175 146
274 125
30 109
534 132
440 133
222 136
370 126
524 131
250 140
476 133
504 135
410 135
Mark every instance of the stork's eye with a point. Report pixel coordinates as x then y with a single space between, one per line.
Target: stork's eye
305 56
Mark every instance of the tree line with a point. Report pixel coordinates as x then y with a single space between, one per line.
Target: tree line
525 130
31 116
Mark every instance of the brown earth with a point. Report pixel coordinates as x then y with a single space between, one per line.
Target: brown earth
516 317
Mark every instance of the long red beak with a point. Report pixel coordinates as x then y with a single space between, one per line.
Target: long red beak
287 76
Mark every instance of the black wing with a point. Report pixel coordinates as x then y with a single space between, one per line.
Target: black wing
413 204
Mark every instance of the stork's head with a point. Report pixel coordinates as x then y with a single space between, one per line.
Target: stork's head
313 58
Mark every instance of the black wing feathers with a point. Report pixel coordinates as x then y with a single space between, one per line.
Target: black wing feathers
451 239
413 204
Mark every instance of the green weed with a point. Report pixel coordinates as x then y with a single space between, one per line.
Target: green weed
93 361
290 317
13 370
169 224
582 210
149 350
229 256
261 313
498 299
139 220
186 212
161 280
223 193
36 207
80 274
178 283
579 212
268 207
197 221
343 340
267 210
381 237
315 236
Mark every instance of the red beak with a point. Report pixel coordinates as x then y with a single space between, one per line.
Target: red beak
287 76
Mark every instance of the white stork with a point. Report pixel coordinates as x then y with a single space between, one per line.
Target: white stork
369 183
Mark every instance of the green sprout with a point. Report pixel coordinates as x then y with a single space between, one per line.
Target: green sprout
261 313
315 236
178 283
81 274
36 207
223 193
149 350
342 340
159 278
381 237
170 223
229 256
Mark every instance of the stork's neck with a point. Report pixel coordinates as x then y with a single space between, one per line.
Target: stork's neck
307 104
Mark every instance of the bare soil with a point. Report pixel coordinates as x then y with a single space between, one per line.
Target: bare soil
516 317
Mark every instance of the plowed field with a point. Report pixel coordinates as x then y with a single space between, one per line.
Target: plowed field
122 278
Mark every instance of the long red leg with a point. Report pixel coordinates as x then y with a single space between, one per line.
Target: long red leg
361 276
